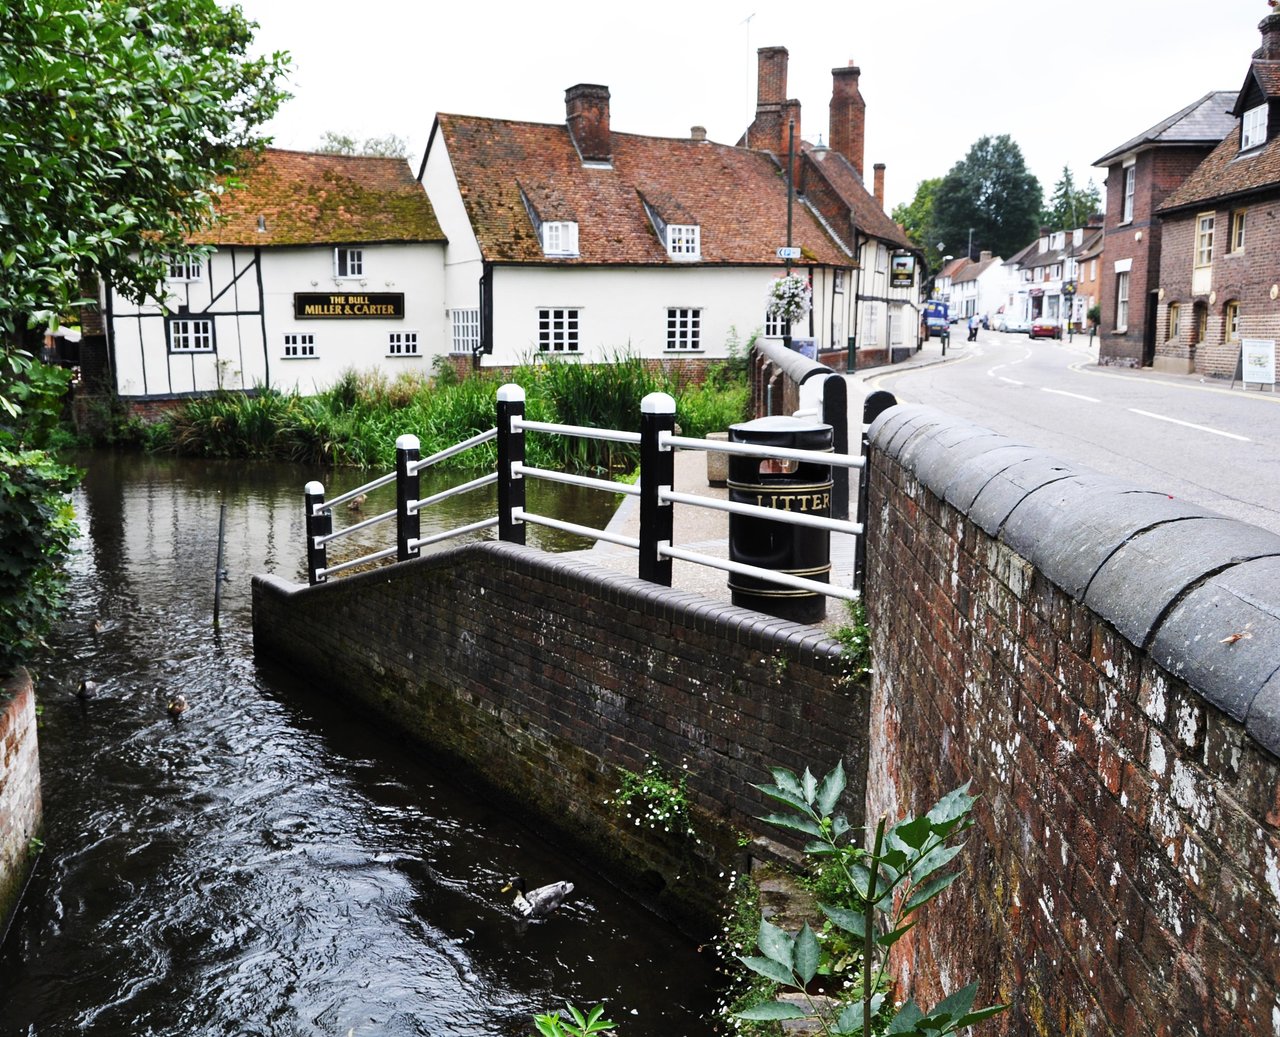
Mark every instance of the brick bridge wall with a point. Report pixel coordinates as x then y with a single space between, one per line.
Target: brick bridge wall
1102 662
20 814
542 675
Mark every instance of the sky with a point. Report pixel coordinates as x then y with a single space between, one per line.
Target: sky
1067 81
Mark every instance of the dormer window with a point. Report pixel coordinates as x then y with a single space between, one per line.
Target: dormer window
684 241
1253 128
348 262
560 238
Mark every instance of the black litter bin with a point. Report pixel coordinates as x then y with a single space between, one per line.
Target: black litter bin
803 487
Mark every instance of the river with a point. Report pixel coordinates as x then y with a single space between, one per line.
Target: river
268 863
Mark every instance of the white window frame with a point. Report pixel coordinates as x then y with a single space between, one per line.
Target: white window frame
684 241
684 329
1122 300
775 326
190 335
1253 127
559 238
1130 183
402 343
466 331
299 345
837 281
559 328
1238 231
186 268
348 262
1204 239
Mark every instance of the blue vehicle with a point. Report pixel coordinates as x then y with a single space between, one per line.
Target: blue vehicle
936 319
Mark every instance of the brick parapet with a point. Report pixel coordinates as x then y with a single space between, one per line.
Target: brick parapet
20 800
1070 644
541 676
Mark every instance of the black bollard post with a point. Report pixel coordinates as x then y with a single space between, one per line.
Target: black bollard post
408 489
657 472
318 525
510 451
835 412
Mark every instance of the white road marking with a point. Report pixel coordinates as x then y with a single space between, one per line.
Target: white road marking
1073 395
1011 381
1188 424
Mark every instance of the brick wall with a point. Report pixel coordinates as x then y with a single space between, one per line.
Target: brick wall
1244 277
1071 645
541 675
20 816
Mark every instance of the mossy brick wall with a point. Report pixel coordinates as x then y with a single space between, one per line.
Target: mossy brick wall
542 675
20 815
1101 661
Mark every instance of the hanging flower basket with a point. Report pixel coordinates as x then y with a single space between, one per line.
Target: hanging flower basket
789 298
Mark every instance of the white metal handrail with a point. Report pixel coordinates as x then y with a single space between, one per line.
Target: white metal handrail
448 452
785 579
435 538
607 485
346 530
520 515
667 439
582 431
485 480
329 505
794 518
376 556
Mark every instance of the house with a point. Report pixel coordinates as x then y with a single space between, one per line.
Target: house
316 264
831 182
574 239
1045 275
978 286
943 280
1141 173
1219 273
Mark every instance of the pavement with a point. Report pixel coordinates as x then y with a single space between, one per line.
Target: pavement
706 531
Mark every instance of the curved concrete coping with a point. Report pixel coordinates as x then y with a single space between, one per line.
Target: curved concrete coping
1196 590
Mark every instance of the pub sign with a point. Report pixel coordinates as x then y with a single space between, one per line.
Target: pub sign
348 305
902 271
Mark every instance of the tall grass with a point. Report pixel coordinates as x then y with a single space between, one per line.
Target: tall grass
357 421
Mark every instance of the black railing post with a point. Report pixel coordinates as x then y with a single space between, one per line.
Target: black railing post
318 525
657 472
835 412
408 490
872 407
510 451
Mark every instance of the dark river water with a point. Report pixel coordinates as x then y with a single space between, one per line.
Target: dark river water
270 863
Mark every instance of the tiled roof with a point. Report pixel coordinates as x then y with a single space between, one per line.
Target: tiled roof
1227 173
1201 122
1267 73
953 268
975 269
868 216
312 199
736 196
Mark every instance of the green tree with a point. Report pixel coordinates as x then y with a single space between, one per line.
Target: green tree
916 218
1068 206
991 193
390 146
119 120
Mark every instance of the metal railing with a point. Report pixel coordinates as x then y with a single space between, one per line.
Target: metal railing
655 546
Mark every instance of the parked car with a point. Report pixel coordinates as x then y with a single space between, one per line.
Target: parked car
1043 327
1014 324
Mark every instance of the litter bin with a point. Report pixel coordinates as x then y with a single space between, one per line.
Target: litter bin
786 486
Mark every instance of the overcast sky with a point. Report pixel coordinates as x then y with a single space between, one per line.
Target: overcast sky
1067 80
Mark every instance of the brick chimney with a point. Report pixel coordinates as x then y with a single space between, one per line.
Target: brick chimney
879 183
1270 29
984 256
848 115
771 75
774 113
587 115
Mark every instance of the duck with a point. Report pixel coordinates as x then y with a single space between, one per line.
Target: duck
540 902
177 705
88 690
97 626
356 503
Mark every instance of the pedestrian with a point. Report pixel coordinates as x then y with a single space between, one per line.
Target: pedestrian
973 328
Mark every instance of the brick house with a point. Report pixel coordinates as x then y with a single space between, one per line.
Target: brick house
1046 275
830 181
319 263
1220 264
575 239
1141 173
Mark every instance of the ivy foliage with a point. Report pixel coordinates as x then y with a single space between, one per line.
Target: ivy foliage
118 118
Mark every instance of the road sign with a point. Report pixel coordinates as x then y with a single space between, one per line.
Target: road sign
787 252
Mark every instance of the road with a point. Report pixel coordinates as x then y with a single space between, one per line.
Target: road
1197 440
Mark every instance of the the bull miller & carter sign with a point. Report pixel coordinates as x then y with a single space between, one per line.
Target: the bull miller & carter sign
348 305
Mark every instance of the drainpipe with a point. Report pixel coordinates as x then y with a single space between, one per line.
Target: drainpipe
851 359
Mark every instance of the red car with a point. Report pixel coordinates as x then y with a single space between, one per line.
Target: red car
1043 327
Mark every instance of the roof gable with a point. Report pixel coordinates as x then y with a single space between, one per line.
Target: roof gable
867 215
737 197
1226 173
1203 121
307 198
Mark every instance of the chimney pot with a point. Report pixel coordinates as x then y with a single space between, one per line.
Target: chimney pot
984 256
698 132
587 116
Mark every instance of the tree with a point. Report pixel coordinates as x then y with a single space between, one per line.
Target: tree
990 193
916 218
390 146
1068 206
119 119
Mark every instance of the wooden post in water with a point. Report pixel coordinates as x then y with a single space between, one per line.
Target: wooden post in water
219 572
510 451
657 472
